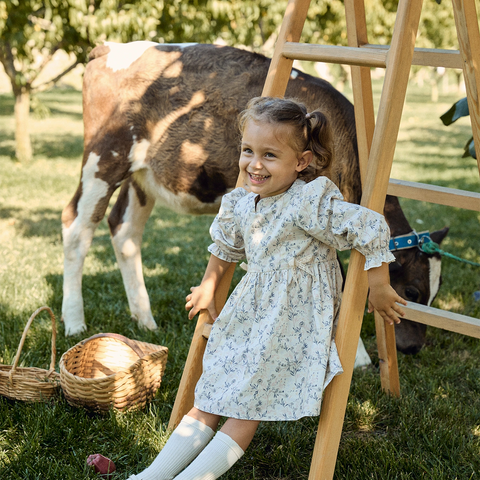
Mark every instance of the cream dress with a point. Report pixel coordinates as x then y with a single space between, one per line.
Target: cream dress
271 351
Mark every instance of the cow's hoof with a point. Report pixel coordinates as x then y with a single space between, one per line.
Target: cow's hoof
74 328
148 324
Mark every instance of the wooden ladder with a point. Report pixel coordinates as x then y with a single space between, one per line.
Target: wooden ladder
376 145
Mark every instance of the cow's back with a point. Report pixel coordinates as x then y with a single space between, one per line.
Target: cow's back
183 104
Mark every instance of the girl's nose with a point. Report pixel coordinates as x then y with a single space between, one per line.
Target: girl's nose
256 163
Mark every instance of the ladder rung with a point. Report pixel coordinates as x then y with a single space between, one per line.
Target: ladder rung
435 317
364 57
429 57
424 192
369 55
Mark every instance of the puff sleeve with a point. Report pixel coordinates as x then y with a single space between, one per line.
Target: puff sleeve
228 243
324 215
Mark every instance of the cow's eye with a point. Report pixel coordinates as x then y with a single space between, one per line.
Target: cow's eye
412 294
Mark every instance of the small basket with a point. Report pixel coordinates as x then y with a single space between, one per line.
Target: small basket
110 370
31 384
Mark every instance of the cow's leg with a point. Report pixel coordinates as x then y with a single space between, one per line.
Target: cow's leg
80 218
127 221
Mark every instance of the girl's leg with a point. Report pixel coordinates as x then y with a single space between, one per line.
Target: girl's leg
208 419
241 431
228 446
190 437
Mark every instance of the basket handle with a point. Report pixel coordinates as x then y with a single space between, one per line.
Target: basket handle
24 336
123 339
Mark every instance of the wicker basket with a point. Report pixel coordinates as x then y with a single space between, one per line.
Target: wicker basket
30 384
110 370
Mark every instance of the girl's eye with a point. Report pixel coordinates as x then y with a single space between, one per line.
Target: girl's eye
269 155
247 150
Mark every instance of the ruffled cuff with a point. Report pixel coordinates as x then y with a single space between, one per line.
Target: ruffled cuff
377 258
215 250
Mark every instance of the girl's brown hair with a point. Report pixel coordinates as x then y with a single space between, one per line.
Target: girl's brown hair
310 131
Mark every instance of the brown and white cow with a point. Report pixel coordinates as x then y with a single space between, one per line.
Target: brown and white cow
160 121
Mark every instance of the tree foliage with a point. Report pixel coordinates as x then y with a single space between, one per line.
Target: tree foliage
458 110
31 31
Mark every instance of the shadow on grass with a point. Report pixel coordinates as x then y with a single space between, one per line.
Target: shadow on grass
60 438
424 97
68 148
61 95
7 145
64 146
7 104
44 222
470 183
67 97
57 112
10 212
451 135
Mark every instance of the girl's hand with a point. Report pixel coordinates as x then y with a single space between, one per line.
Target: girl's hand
384 299
201 298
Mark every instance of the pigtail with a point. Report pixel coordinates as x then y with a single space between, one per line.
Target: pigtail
320 142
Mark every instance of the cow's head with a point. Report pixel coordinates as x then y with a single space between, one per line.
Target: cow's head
416 276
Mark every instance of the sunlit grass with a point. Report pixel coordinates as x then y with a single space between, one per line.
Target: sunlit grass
431 432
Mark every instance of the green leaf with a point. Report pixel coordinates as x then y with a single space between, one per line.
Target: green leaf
469 149
40 110
458 110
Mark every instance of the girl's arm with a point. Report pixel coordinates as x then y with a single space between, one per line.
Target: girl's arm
382 297
202 297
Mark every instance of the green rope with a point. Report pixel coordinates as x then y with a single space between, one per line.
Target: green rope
432 247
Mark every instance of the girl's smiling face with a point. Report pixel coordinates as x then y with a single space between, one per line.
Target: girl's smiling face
268 162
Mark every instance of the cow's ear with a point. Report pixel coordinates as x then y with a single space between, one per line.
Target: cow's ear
439 235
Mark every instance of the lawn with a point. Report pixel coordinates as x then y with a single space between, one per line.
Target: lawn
431 432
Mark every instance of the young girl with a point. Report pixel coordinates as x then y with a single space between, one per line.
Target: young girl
271 351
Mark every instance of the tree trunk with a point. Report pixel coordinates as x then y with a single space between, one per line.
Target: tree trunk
23 145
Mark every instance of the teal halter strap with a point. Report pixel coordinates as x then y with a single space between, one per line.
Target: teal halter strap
432 247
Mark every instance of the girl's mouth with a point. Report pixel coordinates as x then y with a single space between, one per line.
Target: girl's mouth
257 178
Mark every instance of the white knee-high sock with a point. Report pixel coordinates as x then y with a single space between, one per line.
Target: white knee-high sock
216 458
186 442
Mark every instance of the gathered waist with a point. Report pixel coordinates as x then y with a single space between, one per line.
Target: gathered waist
293 263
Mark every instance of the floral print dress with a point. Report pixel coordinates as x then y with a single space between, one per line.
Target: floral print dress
271 351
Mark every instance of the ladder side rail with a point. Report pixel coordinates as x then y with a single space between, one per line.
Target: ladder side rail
365 126
193 365
290 31
335 396
361 84
466 21
387 356
391 106
378 173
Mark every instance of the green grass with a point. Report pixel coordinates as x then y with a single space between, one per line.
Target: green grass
431 432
